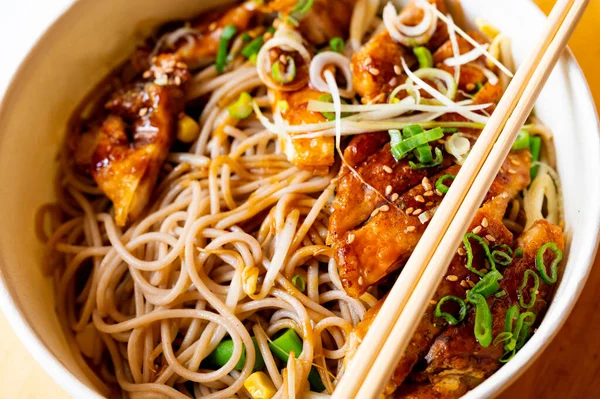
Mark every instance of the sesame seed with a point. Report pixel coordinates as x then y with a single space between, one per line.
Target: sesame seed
464 284
512 171
470 86
537 292
350 238
429 203
282 59
395 196
461 252
490 238
368 60
433 302
428 193
476 230
388 190
177 80
387 169
393 82
451 277
374 213
397 70
374 71
426 184
515 162
411 228
419 198
505 195
484 222
146 74
360 280
410 210
471 284
384 208
486 241
212 26
181 65
143 111
438 192
417 212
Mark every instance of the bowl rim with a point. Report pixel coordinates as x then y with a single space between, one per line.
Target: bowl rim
75 387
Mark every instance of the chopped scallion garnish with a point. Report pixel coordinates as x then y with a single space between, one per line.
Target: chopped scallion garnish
253 47
337 45
423 56
242 108
488 285
542 269
462 310
299 282
532 291
437 161
519 253
501 257
228 33
401 149
284 74
522 141
483 319
439 184
469 251
222 353
535 146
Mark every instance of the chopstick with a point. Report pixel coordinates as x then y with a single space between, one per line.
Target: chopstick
388 336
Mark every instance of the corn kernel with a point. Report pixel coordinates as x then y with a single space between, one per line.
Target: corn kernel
259 386
187 129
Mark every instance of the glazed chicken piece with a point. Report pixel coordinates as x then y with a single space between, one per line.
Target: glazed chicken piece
314 154
374 67
126 150
325 20
201 47
456 362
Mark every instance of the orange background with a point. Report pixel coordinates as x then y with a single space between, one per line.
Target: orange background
569 368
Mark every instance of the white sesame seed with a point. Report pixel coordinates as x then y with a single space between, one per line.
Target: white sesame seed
350 238
410 210
512 171
397 70
419 198
417 212
177 81
433 302
384 208
430 203
374 213
476 230
388 190
146 74
395 196
464 284
428 193
368 60
461 252
411 228
471 284
426 184
515 162
143 111
438 192
484 222
374 71
387 169
490 238
360 280
505 195
470 86
393 81
451 277
282 59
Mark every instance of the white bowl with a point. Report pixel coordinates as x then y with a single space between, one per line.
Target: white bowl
91 37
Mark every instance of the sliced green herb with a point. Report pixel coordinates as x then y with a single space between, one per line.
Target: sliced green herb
522 141
450 318
284 74
535 146
469 251
226 35
532 291
337 45
423 56
439 184
542 269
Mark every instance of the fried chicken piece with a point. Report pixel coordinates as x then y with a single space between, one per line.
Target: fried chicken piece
325 20
315 154
456 362
126 150
375 66
387 239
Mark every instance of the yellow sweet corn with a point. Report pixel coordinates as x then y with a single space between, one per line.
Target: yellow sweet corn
259 386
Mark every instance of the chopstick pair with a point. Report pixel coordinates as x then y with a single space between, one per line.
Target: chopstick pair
387 338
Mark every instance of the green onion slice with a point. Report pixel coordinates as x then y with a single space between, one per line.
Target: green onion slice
519 253
437 161
242 108
439 184
253 47
501 257
522 141
423 56
449 130
469 251
299 282
502 337
284 74
535 145
462 311
532 291
483 319
401 149
539 261
228 33
337 45
488 285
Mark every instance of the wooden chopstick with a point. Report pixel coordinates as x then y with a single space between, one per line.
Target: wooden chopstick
388 336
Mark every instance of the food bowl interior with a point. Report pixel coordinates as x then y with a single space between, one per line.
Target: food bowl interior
94 36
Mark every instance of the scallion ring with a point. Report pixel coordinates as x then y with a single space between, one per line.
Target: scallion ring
299 282
437 161
423 56
522 141
439 184
519 253
462 311
284 74
542 269
242 108
532 291
469 251
401 149
226 35
488 285
483 319
337 45
501 257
